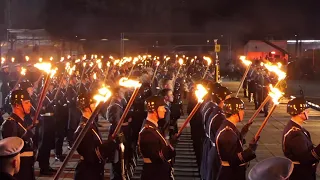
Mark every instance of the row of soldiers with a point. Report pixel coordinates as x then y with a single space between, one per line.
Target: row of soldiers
65 110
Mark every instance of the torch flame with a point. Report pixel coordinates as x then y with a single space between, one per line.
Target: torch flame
180 61
108 64
53 72
62 59
103 96
12 59
77 61
158 63
27 58
275 68
23 71
275 94
84 57
207 59
69 56
51 58
99 65
3 60
245 61
84 64
40 59
94 76
200 92
129 83
46 67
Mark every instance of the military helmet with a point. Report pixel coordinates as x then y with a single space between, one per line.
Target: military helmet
275 168
17 96
213 86
220 93
25 85
154 102
233 105
84 100
296 106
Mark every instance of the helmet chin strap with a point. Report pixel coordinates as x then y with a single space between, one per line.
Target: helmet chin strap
238 116
305 115
24 112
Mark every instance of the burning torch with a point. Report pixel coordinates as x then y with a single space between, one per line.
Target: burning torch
275 94
248 65
200 93
208 65
22 73
103 95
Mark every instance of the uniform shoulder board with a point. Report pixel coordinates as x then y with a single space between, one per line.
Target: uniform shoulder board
10 118
295 129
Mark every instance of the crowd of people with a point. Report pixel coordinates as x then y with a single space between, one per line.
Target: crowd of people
150 129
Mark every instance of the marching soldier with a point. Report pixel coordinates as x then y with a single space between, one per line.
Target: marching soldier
46 133
165 125
114 113
10 157
156 152
61 116
233 159
15 126
74 113
93 151
5 78
297 144
213 118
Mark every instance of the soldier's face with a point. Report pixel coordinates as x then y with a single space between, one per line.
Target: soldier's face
170 96
30 91
241 115
161 112
305 115
26 106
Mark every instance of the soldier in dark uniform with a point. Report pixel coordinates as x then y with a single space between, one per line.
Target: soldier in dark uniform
166 126
5 78
297 144
176 108
114 113
74 112
46 136
61 116
28 86
213 117
93 151
233 158
15 126
156 152
263 83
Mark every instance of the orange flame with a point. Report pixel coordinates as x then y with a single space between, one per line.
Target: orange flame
207 59
275 68
275 94
245 61
180 61
23 71
129 83
200 92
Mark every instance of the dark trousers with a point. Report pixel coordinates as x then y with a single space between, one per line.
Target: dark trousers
115 171
73 122
46 140
86 171
61 128
197 135
26 169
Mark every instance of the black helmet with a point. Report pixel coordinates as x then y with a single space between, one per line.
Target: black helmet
25 85
17 96
296 106
154 102
213 86
220 94
233 105
84 100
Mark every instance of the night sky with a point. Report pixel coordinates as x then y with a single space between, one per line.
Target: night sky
99 18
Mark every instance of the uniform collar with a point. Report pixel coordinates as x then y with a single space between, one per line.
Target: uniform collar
151 123
295 124
17 118
5 175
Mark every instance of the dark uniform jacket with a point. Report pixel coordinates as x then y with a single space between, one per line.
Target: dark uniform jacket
114 113
93 153
156 152
14 126
298 147
6 176
232 156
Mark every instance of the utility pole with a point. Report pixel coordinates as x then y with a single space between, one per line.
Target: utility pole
217 69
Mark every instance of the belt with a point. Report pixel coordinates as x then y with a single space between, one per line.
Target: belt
47 114
26 154
147 160
226 163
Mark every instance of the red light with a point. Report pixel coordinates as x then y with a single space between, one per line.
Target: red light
273 52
